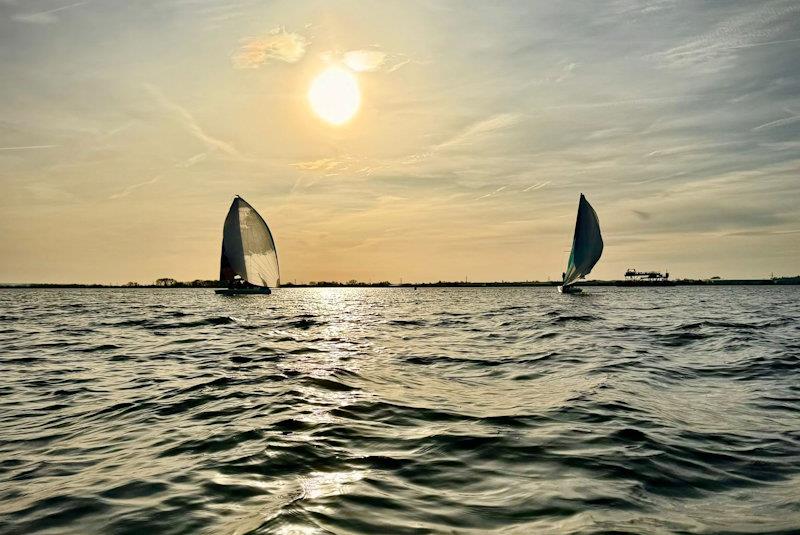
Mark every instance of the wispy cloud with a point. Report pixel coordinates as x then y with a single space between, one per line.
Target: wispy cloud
45 17
48 192
352 165
538 185
127 191
778 123
533 187
479 129
30 147
192 126
567 71
401 61
184 164
492 194
322 164
766 43
647 101
716 49
473 134
369 60
688 149
364 60
764 232
278 45
193 160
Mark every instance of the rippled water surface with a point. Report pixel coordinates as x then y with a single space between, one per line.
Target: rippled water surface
494 410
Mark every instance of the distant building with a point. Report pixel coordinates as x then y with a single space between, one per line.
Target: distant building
633 277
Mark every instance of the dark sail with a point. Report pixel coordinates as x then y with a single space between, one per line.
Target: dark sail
587 243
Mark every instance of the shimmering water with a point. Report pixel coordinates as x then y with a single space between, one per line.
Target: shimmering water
492 410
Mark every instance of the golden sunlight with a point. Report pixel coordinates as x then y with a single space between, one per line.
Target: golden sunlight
334 95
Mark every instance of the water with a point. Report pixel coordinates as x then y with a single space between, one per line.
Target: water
497 410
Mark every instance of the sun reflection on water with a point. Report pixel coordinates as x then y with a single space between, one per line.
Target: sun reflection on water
322 484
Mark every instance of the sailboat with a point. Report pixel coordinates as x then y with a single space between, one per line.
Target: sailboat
249 262
587 246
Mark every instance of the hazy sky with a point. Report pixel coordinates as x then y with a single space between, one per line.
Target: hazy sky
127 127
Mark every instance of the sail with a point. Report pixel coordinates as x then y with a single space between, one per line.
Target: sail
248 249
587 244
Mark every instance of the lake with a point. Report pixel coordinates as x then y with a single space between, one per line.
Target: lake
438 410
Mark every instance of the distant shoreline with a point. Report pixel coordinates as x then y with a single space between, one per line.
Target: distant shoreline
441 284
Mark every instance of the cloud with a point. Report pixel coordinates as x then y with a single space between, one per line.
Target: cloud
641 102
766 43
473 134
492 194
480 129
764 232
780 122
185 164
716 49
278 45
194 160
323 164
30 147
364 60
538 185
127 191
400 63
688 149
192 125
533 187
48 192
45 17
368 60
334 166
568 71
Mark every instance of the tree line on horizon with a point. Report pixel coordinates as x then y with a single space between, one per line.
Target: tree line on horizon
168 282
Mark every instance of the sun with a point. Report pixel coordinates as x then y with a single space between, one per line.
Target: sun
334 95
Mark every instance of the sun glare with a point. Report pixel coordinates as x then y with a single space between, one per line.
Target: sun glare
334 95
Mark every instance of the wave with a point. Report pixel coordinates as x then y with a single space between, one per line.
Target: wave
401 412
559 319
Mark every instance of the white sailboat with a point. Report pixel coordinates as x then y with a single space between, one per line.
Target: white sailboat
249 261
587 246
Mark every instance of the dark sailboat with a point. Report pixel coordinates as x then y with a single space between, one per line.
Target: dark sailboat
249 261
587 246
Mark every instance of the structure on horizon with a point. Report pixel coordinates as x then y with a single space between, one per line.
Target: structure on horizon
646 278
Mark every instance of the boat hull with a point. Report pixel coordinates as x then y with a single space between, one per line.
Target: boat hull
569 290
243 291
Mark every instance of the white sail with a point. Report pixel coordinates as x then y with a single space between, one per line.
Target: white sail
587 243
248 249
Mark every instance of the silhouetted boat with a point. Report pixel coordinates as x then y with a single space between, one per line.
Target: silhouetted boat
249 261
587 246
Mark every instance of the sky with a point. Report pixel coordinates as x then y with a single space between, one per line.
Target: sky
126 128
